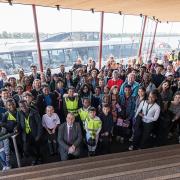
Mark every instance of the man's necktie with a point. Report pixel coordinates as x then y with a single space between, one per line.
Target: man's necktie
70 135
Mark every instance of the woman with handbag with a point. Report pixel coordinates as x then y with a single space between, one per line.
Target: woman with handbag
147 113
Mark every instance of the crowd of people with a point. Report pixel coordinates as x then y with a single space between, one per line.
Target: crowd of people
70 112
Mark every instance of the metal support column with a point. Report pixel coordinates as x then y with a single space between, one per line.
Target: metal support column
37 38
101 39
142 37
153 41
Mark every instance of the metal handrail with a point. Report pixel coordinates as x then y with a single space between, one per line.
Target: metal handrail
6 136
13 136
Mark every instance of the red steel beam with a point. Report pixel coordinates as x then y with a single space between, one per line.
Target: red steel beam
142 37
37 38
101 39
154 36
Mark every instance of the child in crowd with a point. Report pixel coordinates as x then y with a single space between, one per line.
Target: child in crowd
93 127
97 97
83 112
19 96
10 116
107 127
50 121
10 90
4 97
114 100
106 90
125 115
60 88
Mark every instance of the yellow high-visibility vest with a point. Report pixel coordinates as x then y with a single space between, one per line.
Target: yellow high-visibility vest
27 125
83 114
93 125
173 58
72 106
11 117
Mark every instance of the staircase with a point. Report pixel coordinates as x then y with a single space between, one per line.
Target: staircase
151 164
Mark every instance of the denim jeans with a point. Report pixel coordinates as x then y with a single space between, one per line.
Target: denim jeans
3 159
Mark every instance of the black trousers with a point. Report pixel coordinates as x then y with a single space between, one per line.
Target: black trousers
142 133
32 147
105 144
138 128
147 129
52 137
163 125
52 142
175 126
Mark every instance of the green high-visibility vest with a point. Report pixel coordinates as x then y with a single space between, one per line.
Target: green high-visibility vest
27 125
83 114
11 117
93 125
72 106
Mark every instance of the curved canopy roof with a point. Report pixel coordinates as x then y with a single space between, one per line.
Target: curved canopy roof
164 10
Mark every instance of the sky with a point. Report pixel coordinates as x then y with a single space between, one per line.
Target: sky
19 18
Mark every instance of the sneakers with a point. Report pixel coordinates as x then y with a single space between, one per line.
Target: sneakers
91 153
131 148
34 162
121 140
170 135
118 138
6 168
131 139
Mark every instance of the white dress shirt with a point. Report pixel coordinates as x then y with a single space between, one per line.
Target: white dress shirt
50 122
151 111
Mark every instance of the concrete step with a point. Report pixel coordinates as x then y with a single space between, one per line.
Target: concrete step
125 169
175 176
95 160
102 165
152 173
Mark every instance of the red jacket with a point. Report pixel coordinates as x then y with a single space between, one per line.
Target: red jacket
111 83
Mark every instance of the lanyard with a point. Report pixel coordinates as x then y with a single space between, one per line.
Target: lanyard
148 108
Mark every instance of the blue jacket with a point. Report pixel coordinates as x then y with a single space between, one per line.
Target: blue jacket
127 107
134 88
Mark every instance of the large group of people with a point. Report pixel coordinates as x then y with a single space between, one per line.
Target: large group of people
85 108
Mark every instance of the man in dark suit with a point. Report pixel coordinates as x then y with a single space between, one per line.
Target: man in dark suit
69 138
